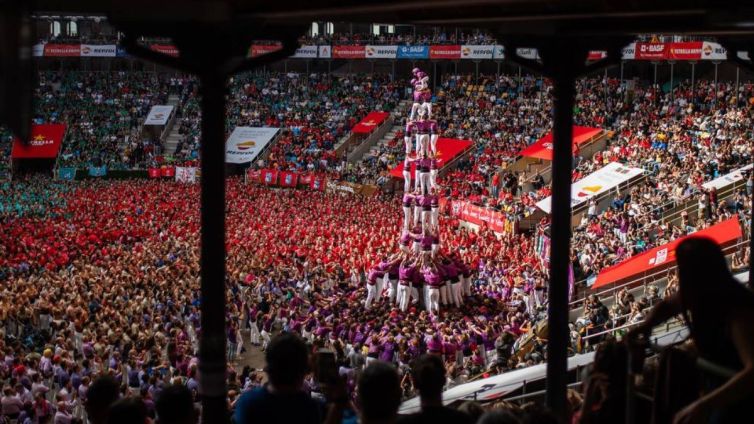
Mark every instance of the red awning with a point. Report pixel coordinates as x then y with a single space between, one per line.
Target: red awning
44 144
447 149
664 255
542 148
370 122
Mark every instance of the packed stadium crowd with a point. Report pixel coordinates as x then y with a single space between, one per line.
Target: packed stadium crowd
101 277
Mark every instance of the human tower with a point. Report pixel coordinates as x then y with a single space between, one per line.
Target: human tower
420 274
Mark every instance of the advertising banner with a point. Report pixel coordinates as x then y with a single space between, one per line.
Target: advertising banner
259 50
153 172
306 52
528 53
325 52
158 115
596 183
651 51
370 122
542 148
477 52
445 52
595 55
45 143
482 216
381 52
98 50
413 52
167 171
97 171
288 179
38 50
167 49
691 50
498 53
713 51
348 52
269 177
185 174
245 143
317 182
629 52
447 149
655 259
62 50
67 173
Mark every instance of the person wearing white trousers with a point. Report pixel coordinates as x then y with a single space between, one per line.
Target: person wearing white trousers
254 336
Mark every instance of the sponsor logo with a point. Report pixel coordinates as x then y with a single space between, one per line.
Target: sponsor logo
245 145
590 189
707 50
40 140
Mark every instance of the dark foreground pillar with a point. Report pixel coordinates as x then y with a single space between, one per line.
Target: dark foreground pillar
212 340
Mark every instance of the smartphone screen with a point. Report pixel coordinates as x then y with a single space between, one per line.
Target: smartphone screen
327 369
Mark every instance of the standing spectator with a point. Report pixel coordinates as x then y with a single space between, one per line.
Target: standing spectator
379 394
175 406
428 376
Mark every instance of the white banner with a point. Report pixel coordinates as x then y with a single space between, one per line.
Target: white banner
38 50
381 52
98 50
477 52
528 53
325 52
159 115
245 143
629 52
185 174
713 51
595 183
498 53
728 179
306 52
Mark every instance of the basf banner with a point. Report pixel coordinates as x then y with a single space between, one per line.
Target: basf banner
381 52
413 52
45 143
245 143
477 52
306 52
95 50
596 183
159 115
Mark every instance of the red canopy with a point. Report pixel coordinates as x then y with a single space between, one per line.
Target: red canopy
44 144
370 122
542 148
721 233
447 149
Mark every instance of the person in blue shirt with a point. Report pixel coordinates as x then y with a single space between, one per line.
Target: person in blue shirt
283 399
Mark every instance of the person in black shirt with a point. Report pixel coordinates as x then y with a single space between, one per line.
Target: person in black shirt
428 376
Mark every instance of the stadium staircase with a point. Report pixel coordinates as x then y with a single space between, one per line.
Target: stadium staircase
174 137
401 110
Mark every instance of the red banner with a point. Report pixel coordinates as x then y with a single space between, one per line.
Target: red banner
348 52
253 175
154 172
317 182
168 171
62 50
269 177
659 257
542 148
167 49
685 51
305 179
596 55
370 122
288 179
479 215
447 149
45 143
259 50
651 51
444 52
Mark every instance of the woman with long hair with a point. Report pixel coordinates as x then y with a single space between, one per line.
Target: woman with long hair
719 312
